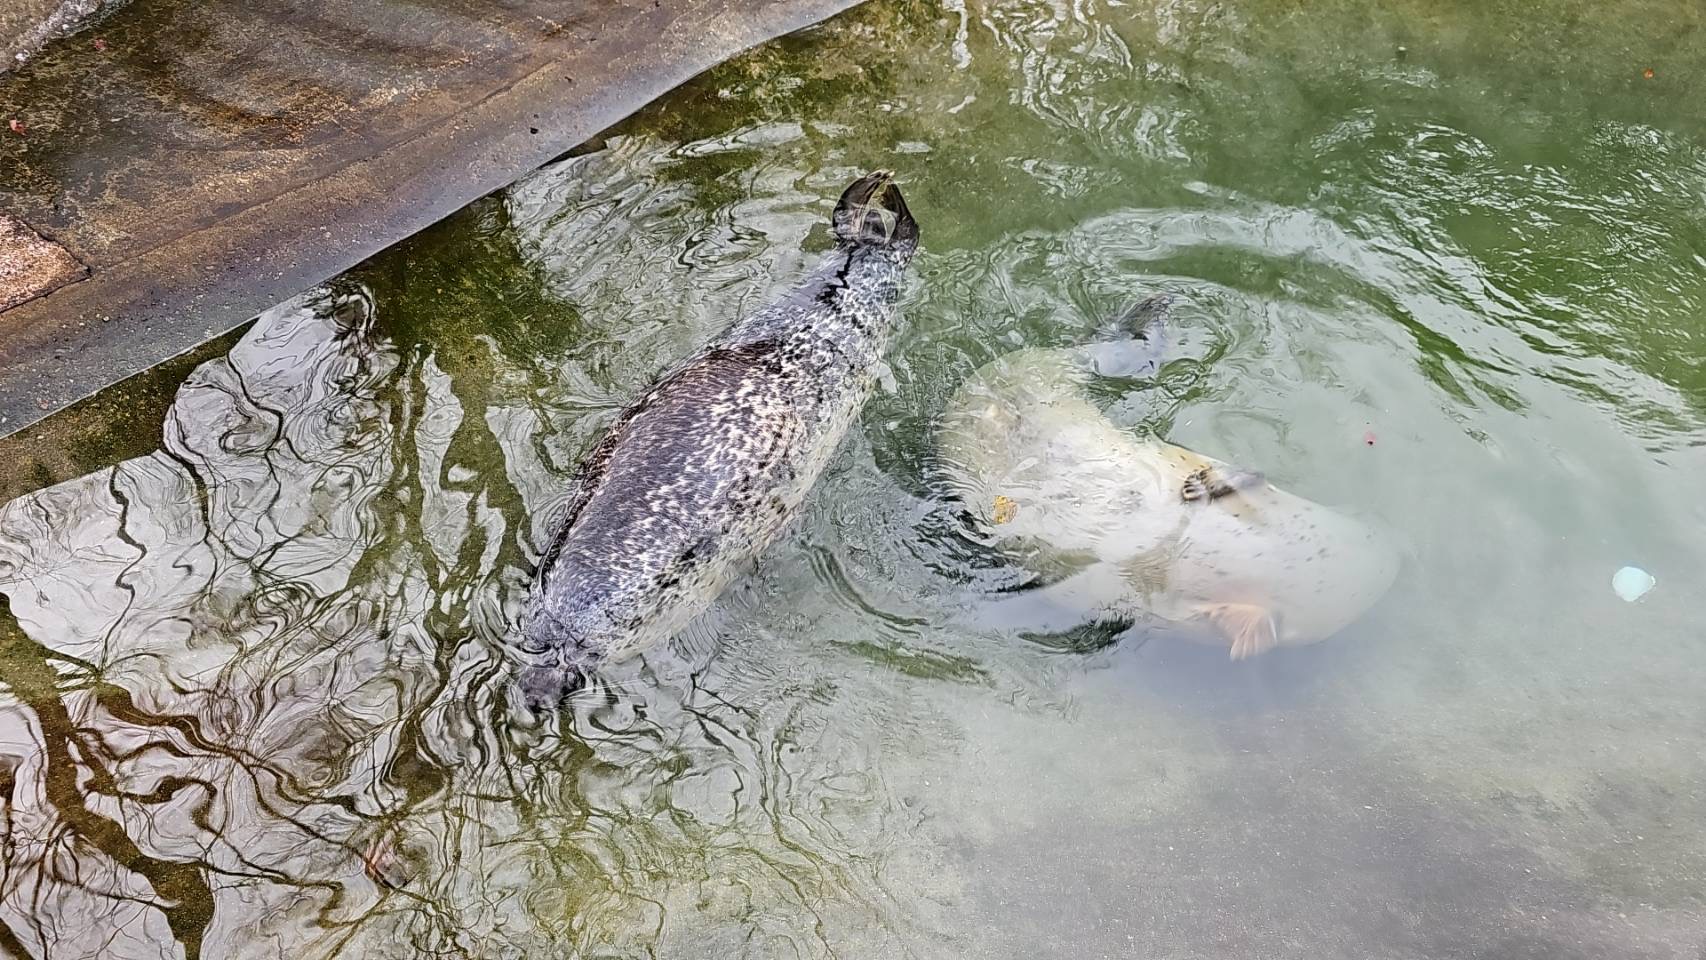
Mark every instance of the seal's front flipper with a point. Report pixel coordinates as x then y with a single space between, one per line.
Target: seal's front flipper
699 641
1057 608
885 378
1212 483
1251 629
1086 638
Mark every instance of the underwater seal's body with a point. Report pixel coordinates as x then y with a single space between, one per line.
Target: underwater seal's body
1132 527
701 473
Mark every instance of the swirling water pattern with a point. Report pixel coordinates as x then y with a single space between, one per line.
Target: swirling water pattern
253 666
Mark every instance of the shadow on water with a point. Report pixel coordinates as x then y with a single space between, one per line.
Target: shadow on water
1191 676
254 670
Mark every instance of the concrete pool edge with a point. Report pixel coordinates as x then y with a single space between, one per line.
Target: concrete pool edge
203 278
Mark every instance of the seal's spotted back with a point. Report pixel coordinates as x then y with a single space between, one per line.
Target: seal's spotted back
702 472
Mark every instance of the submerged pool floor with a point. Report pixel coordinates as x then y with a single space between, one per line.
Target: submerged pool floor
1442 266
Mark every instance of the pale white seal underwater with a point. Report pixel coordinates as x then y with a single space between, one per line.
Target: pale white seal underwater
1132 527
701 473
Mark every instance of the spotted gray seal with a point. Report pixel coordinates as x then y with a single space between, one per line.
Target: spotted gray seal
702 472
1135 527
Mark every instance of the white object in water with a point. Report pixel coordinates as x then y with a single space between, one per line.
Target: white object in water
1632 583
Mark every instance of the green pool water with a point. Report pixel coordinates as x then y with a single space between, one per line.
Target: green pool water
1441 265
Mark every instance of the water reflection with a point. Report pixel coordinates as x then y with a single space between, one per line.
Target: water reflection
200 726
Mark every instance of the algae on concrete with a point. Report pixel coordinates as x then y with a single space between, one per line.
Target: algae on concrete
27 25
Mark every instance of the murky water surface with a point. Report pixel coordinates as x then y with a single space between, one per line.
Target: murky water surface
1442 265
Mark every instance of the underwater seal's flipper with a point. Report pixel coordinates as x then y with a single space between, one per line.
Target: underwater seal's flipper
1212 483
1250 628
1037 617
1136 342
1148 320
699 641
1089 637
1057 608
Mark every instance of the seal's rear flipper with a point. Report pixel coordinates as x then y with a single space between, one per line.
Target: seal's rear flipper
1251 629
699 641
1148 320
1136 342
871 211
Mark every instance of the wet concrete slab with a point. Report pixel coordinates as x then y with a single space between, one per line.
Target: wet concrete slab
208 158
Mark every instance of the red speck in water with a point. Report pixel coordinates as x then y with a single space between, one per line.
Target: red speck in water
18 127
1648 73
101 44
1368 437
379 859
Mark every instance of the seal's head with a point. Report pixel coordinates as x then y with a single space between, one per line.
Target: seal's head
872 214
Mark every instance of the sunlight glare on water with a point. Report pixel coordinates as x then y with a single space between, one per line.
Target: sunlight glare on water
1439 265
